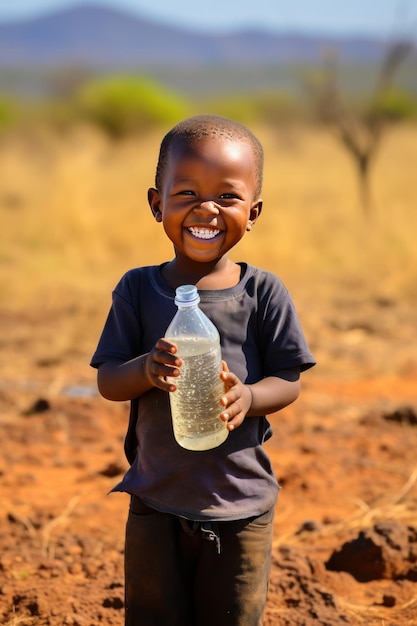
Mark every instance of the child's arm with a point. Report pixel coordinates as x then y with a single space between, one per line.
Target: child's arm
262 398
125 380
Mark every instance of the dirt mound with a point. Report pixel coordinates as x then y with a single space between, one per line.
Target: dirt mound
387 550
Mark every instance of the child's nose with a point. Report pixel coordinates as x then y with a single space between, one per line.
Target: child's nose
208 206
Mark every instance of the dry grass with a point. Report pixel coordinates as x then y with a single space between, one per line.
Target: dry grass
74 217
45 533
363 614
313 221
21 621
366 516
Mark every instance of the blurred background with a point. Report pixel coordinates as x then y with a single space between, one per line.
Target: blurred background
87 91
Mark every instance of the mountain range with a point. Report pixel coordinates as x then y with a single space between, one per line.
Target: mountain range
101 38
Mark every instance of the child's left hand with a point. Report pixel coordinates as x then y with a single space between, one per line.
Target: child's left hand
237 399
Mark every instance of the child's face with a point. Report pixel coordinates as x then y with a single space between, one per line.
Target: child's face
207 200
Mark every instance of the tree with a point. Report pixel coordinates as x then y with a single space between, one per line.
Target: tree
359 132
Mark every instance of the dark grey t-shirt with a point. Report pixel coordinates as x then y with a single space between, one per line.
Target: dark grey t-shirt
260 336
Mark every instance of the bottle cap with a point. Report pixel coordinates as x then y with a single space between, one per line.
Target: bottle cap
186 295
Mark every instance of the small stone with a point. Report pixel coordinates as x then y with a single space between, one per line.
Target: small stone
309 526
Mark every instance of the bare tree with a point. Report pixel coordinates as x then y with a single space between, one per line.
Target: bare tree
360 133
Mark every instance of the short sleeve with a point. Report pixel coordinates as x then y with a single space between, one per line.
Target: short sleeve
121 335
283 342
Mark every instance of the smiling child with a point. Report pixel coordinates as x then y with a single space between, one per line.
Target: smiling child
200 524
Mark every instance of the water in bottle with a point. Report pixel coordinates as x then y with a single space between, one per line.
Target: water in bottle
195 405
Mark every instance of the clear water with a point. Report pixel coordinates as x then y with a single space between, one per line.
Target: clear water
195 405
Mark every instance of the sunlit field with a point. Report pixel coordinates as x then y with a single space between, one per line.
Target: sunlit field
74 217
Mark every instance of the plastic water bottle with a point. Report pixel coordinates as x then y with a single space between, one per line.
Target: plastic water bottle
195 405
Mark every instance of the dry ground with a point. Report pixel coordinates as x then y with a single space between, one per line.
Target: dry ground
345 549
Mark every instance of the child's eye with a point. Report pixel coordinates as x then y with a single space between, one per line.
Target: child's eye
228 196
185 192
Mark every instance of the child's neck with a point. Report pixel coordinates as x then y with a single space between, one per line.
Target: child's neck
220 275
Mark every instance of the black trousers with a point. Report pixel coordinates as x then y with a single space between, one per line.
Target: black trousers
180 573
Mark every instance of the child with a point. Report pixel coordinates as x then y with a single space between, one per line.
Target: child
199 530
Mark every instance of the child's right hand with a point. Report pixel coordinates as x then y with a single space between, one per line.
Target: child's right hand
162 362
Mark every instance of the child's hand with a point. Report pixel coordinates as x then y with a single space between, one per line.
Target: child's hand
237 399
162 362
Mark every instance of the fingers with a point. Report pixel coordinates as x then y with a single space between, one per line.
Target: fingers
162 362
233 415
237 402
232 422
229 379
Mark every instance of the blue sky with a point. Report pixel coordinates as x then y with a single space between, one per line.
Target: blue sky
381 17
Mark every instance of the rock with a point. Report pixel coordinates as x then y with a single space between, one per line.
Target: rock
41 405
309 526
402 415
112 470
113 603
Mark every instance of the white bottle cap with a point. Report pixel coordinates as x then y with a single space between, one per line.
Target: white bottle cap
186 295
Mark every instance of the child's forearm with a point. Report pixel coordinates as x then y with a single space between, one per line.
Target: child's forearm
119 381
272 394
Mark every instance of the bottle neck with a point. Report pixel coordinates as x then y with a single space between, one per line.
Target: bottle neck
186 306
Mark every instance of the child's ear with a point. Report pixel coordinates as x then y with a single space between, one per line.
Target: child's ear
254 213
154 200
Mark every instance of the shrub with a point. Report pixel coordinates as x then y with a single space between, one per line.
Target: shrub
122 105
396 105
8 112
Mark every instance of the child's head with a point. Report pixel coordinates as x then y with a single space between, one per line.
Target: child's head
208 182
202 127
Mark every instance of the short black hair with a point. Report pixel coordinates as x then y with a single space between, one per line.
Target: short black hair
206 126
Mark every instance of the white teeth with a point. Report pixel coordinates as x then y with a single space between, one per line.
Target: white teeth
203 233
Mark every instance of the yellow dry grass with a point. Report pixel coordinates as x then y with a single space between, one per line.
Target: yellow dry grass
74 217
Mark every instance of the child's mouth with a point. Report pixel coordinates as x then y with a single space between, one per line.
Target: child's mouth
204 233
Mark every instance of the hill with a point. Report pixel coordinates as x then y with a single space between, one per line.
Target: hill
98 37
